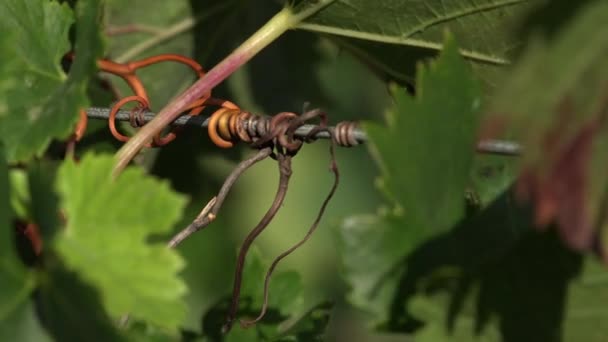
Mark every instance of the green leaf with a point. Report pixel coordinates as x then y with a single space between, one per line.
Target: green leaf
44 204
491 175
372 247
16 283
560 87
584 310
390 35
139 331
72 310
309 327
19 194
285 300
426 156
285 288
23 325
41 208
433 311
474 291
105 241
37 101
384 258
427 150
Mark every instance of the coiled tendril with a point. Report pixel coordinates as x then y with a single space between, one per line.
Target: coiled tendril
227 125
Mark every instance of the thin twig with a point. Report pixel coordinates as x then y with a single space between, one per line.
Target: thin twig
500 147
212 208
284 162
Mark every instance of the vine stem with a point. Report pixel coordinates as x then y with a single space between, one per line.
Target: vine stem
284 20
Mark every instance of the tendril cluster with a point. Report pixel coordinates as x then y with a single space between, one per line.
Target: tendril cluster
228 123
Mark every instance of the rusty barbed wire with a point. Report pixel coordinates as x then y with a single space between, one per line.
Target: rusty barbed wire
346 132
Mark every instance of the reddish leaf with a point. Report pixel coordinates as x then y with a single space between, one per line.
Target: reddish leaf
560 192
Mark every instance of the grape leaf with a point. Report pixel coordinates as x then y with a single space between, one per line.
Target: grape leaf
384 258
491 175
37 101
390 35
71 310
16 283
427 150
44 203
372 247
467 290
309 327
584 309
285 288
285 302
23 325
109 223
141 332
425 154
433 311
19 194
560 123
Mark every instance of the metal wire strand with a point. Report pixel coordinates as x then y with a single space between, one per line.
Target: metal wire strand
356 136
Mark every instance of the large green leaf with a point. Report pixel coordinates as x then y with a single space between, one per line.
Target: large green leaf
426 155
390 35
311 326
44 203
37 101
433 312
109 223
23 325
493 279
491 175
584 309
71 310
558 115
461 295
284 300
427 150
284 289
384 258
372 248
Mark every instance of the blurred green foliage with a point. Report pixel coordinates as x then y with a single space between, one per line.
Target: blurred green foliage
435 249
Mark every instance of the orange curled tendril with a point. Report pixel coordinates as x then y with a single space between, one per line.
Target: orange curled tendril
142 104
127 71
227 124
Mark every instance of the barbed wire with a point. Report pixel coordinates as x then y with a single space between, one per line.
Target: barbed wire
500 147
